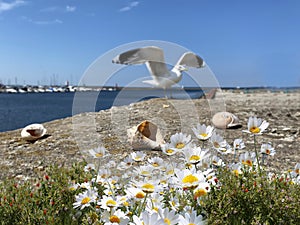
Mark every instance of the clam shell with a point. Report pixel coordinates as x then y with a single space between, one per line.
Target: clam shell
33 132
225 120
145 136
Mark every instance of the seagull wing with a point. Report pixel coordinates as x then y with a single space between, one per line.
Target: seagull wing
192 60
152 56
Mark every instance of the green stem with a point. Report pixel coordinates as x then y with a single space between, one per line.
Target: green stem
257 158
142 207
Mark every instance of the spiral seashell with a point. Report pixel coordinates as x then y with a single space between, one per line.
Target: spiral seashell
33 132
225 120
145 136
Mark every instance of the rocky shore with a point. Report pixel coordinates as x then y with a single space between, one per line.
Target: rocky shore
68 139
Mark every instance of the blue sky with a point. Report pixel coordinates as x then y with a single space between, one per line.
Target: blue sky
245 43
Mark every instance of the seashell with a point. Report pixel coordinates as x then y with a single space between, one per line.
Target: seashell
33 132
225 120
145 136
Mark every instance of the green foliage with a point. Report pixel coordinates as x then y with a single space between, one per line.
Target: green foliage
44 201
240 199
248 199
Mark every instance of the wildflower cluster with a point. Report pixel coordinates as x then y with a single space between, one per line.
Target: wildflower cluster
196 179
174 188
147 190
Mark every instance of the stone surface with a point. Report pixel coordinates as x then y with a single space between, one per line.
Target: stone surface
68 139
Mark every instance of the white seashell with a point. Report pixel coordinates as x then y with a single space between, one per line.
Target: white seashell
145 136
33 132
225 120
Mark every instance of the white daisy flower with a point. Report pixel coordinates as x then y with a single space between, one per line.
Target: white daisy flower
248 158
74 186
205 163
203 132
144 171
85 199
148 186
238 144
115 217
296 180
89 167
267 149
180 141
195 155
217 161
147 219
217 141
188 179
168 149
155 203
202 190
168 216
98 152
174 202
191 219
135 193
108 202
156 162
236 168
102 176
256 125
138 156
85 185
126 163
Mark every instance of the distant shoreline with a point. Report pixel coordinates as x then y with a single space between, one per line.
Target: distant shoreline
85 88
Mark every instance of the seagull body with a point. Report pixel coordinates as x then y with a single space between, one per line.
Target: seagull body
154 59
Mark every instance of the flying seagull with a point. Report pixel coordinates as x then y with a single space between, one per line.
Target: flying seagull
154 59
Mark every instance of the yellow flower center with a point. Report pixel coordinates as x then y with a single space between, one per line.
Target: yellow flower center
114 219
113 181
200 192
248 162
155 208
194 158
148 188
145 173
98 155
254 130
170 172
85 200
155 164
167 221
191 224
204 134
297 171
137 158
126 204
111 203
140 195
189 179
169 151
180 145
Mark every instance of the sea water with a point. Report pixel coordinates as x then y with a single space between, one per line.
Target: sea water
19 110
